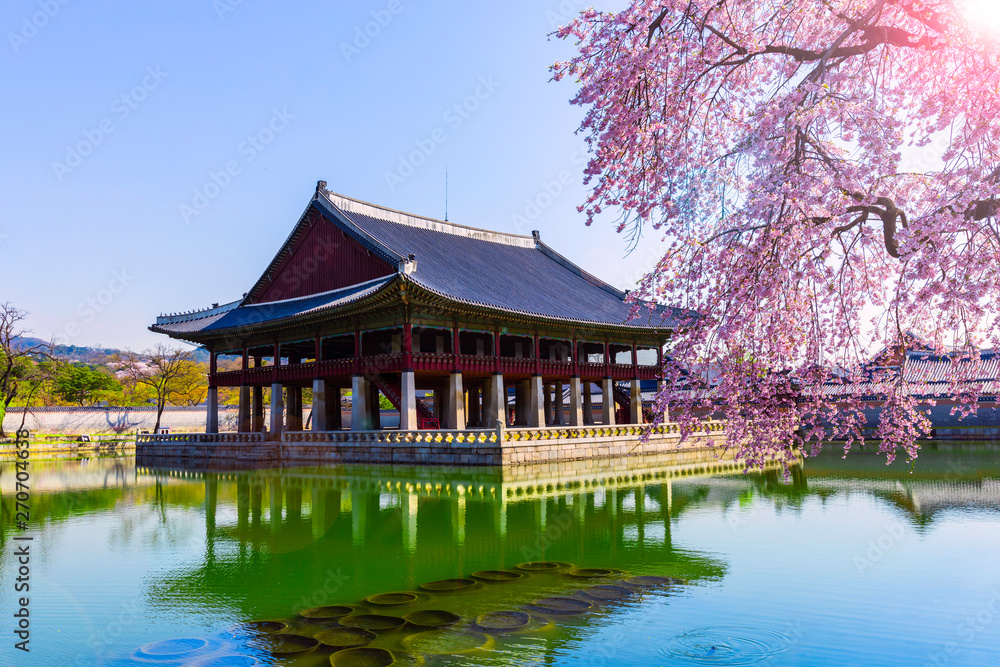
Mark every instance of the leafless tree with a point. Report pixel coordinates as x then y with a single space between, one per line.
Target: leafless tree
168 372
19 375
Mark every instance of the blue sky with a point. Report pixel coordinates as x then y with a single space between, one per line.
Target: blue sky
122 119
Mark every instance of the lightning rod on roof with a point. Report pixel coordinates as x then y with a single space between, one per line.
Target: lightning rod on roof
446 194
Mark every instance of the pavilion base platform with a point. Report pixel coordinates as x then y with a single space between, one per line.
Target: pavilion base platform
500 447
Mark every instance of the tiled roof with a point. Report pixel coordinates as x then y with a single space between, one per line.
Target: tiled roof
506 271
252 314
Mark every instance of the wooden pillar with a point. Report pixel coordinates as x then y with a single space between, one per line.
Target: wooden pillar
357 352
257 411
407 346
374 407
548 404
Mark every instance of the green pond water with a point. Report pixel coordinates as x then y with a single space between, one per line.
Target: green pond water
655 561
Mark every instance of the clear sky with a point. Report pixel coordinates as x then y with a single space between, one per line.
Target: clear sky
122 119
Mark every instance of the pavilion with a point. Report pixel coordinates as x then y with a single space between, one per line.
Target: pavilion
378 301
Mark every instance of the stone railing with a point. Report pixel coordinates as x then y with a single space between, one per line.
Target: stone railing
599 431
200 437
501 434
394 437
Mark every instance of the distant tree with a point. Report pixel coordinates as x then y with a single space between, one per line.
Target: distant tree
80 383
20 375
169 374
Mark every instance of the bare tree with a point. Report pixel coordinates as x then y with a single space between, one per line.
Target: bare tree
19 374
165 371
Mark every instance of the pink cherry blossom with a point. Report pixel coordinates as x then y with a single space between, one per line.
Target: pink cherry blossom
822 175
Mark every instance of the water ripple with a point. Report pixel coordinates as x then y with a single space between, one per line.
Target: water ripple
726 645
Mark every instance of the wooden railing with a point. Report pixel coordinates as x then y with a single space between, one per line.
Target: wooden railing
424 361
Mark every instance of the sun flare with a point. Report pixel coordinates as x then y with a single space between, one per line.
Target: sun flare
982 15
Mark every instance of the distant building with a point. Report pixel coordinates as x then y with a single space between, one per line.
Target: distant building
927 376
373 300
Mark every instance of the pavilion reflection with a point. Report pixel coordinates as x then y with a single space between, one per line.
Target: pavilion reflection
441 510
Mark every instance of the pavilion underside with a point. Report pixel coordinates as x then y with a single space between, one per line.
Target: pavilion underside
471 362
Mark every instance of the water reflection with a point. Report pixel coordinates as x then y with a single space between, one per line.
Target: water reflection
251 545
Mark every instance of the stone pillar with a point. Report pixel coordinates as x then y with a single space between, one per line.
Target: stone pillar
408 400
244 426
293 418
557 400
257 411
496 411
608 403
319 413
360 416
588 404
277 410
548 404
635 406
212 406
536 403
575 408
455 419
521 391
334 418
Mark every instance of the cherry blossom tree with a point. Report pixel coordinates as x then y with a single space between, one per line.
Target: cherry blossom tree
823 175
